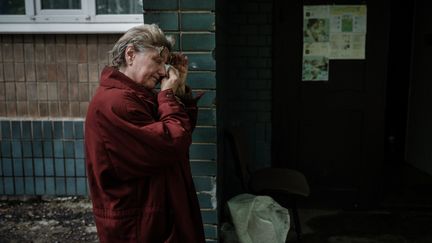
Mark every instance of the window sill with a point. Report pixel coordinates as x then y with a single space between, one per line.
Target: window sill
65 28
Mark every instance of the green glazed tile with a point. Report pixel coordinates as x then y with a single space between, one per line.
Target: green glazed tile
208 99
201 62
29 185
210 231
198 21
19 185
160 4
203 168
198 42
9 185
204 135
203 152
40 185
205 200
206 117
166 21
203 183
202 80
197 4
209 216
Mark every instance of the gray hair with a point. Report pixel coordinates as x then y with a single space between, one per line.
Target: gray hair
141 37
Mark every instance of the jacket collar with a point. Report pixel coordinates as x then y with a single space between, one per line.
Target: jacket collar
111 77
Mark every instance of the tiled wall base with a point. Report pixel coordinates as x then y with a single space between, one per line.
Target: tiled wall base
42 157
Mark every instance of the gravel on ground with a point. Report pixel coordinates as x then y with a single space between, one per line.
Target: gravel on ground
46 219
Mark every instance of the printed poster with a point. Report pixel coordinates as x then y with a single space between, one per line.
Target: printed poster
348 31
316 26
315 61
316 45
331 32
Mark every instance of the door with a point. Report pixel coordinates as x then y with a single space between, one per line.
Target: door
332 131
419 132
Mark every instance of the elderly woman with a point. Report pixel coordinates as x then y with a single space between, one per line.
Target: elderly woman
137 143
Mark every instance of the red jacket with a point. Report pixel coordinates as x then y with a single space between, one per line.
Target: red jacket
137 156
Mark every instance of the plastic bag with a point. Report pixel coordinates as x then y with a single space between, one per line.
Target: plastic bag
259 219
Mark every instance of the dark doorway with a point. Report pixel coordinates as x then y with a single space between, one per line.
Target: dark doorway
333 131
409 114
363 138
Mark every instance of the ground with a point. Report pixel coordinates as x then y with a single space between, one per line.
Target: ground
397 225
37 219
357 226
69 219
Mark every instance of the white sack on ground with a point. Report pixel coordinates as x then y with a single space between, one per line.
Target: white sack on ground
259 219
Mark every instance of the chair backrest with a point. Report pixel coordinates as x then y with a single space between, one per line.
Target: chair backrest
237 142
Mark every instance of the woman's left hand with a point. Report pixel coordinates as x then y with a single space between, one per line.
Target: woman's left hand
180 62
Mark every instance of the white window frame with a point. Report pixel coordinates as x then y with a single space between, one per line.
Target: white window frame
84 20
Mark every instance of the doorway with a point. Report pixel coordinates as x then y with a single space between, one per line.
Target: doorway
347 134
409 118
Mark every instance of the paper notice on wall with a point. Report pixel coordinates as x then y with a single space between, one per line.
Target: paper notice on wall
316 25
316 11
347 46
315 61
316 45
331 32
315 68
316 49
348 18
347 32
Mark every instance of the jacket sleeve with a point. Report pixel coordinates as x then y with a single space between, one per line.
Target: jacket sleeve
137 142
190 104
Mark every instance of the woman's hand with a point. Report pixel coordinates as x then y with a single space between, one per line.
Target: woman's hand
180 62
172 80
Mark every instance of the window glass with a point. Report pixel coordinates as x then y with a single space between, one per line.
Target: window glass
16 7
61 4
118 7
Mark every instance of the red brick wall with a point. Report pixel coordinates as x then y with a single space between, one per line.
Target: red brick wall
50 75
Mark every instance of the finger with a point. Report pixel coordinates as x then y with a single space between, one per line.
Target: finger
178 59
173 72
183 60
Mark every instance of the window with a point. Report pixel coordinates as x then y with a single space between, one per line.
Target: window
114 7
69 16
12 7
47 4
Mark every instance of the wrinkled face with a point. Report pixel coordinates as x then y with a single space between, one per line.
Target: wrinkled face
146 68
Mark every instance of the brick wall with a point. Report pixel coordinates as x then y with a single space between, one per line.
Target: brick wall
244 38
50 75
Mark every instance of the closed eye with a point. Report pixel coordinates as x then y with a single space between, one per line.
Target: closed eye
158 60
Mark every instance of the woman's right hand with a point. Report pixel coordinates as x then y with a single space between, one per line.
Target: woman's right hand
172 80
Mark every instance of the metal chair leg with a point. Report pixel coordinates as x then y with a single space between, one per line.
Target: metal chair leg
296 219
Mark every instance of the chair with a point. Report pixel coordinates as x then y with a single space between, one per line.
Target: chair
280 183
